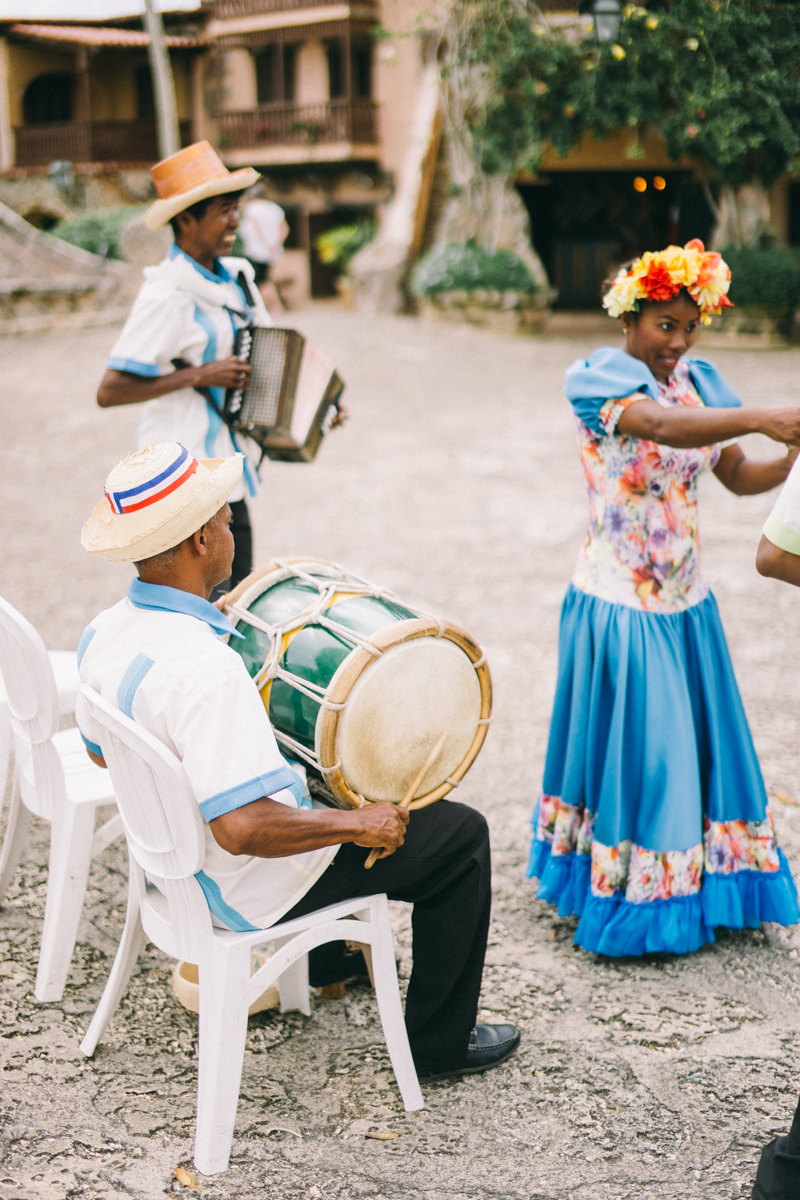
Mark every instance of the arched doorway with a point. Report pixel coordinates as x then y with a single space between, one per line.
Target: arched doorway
48 98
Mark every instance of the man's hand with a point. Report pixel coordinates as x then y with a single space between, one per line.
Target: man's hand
227 373
342 414
384 826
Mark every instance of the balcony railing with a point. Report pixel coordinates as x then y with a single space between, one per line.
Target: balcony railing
90 141
249 8
299 124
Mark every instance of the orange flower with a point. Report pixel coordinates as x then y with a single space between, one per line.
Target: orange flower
657 282
695 244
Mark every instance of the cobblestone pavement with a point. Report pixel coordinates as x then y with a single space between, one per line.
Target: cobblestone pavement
457 484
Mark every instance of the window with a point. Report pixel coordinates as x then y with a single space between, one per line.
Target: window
145 104
275 73
48 98
362 68
333 49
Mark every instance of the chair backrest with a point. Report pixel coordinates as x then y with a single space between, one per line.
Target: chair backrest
30 684
159 811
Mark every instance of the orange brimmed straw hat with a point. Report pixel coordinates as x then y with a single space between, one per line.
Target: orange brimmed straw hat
193 174
155 498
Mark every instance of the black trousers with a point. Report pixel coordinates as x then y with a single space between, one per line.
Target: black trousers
778 1176
443 868
243 548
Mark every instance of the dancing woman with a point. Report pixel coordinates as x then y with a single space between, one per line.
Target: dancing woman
653 824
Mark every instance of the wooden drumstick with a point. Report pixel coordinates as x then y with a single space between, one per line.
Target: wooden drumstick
409 796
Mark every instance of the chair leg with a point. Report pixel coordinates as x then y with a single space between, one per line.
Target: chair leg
70 855
390 1008
19 820
293 984
223 1028
128 951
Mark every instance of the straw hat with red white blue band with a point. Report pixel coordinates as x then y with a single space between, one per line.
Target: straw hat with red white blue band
155 498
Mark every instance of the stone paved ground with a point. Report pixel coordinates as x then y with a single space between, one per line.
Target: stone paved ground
457 484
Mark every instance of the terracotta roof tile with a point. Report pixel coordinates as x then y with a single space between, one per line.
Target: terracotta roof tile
86 35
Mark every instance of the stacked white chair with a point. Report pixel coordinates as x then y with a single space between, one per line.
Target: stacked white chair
53 779
166 842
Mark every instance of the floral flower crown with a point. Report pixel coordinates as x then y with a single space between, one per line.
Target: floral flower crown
661 275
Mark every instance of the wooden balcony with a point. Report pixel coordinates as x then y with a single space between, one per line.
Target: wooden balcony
90 141
224 9
307 131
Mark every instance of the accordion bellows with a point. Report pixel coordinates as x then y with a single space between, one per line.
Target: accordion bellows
291 395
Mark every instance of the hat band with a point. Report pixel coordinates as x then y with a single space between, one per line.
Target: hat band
154 489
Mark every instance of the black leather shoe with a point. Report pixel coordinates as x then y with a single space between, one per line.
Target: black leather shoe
489 1045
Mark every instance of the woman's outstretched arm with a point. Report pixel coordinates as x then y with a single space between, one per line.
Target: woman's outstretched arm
687 428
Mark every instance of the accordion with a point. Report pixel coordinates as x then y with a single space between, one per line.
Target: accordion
290 398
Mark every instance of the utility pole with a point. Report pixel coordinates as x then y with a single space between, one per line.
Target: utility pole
169 141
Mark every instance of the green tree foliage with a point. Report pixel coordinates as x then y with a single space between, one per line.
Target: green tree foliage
719 81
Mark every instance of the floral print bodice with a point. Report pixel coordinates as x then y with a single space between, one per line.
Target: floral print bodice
642 546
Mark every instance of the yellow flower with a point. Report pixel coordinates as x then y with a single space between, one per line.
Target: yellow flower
692 44
618 52
652 22
623 295
683 265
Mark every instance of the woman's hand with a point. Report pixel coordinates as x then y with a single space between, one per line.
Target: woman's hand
781 424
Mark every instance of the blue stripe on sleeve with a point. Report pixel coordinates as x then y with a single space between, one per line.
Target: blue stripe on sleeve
130 682
254 789
220 908
83 644
93 746
134 367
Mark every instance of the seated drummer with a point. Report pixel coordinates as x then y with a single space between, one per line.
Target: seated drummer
271 856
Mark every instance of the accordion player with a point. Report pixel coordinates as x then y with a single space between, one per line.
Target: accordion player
291 397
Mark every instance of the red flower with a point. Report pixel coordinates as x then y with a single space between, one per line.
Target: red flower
695 244
701 112
691 130
657 283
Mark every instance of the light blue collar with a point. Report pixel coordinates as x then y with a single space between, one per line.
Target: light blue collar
157 597
218 275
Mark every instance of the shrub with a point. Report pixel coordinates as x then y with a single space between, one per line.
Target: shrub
764 277
456 268
338 246
98 232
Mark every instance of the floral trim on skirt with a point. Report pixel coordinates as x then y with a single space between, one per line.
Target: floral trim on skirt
676 758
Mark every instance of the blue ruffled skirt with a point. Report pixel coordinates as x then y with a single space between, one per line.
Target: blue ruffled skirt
653 824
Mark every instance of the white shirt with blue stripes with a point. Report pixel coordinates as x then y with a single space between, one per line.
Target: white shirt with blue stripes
159 655
184 311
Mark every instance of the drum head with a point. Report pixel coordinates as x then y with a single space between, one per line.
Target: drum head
397 709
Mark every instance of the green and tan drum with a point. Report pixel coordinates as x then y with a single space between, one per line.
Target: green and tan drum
359 687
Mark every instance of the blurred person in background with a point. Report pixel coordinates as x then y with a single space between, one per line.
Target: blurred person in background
263 231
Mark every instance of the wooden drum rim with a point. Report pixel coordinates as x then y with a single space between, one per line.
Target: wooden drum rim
351 670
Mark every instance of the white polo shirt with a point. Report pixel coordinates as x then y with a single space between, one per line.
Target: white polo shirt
184 311
159 656
782 526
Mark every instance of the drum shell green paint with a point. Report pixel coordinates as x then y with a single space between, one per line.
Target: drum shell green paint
314 653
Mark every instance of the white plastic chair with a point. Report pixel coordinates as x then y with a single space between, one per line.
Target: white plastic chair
166 841
53 779
65 669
